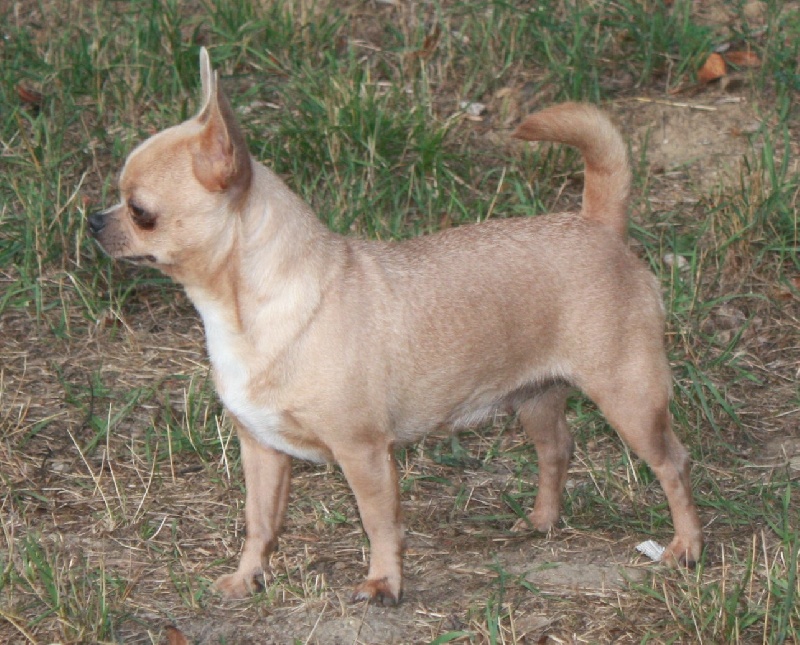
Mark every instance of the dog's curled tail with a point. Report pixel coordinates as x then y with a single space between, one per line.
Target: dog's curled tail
608 177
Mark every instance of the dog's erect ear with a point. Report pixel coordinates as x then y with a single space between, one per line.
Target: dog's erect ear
208 79
221 160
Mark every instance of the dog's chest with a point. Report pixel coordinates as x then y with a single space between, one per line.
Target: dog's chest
235 365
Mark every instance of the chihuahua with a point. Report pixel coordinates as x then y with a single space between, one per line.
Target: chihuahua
335 349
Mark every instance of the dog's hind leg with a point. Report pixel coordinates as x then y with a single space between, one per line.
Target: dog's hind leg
544 422
267 476
636 403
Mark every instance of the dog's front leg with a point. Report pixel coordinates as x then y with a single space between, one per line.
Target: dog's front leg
372 474
267 474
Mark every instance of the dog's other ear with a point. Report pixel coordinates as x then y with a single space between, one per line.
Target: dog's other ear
221 159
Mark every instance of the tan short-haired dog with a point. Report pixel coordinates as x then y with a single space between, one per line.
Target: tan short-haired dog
335 349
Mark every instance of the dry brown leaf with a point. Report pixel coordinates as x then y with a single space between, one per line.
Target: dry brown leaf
176 637
429 45
743 59
29 96
786 292
712 69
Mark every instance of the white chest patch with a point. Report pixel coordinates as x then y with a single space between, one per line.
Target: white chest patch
230 357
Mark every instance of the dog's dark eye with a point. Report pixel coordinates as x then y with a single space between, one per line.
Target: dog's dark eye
142 218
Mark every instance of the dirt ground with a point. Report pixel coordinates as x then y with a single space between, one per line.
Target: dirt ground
452 562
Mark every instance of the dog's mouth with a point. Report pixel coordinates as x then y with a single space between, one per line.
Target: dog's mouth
140 259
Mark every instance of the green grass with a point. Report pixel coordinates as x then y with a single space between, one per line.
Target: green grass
120 478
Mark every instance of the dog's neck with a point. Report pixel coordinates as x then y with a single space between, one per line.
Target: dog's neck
280 255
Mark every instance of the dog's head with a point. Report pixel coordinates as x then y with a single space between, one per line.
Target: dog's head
180 189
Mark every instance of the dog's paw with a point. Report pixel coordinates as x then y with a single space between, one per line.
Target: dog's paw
239 585
377 592
542 522
682 553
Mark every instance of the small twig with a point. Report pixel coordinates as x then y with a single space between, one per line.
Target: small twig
95 479
15 621
361 624
496 193
691 106
147 486
316 623
224 443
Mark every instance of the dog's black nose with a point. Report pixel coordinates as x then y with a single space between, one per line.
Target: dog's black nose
97 222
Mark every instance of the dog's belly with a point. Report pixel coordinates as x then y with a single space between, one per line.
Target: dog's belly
473 408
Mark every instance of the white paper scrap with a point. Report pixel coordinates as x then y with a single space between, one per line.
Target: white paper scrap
472 109
651 549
